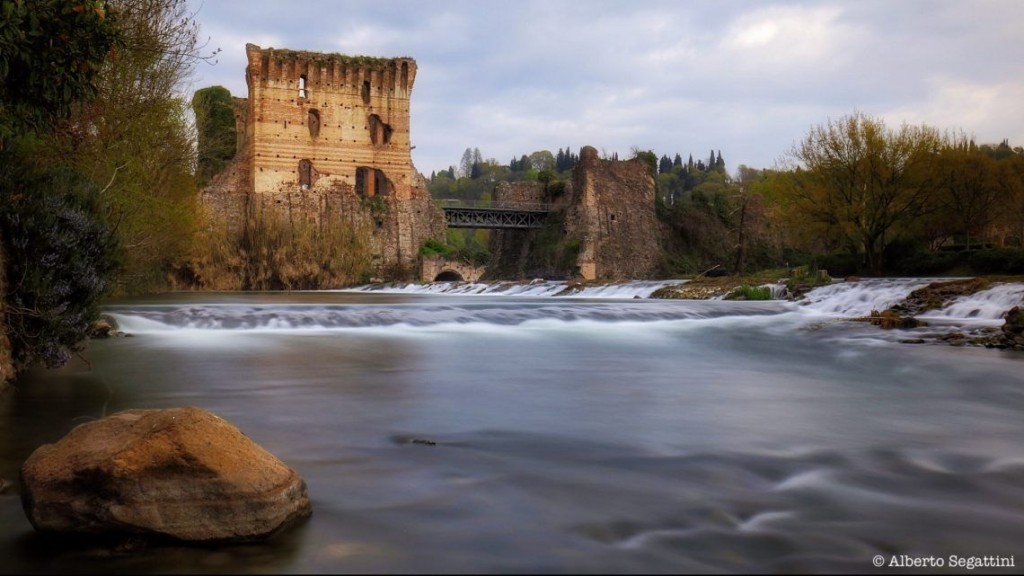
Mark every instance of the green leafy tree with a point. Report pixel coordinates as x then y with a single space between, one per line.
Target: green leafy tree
215 127
50 54
866 179
139 145
542 160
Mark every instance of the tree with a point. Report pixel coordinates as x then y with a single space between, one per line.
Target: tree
50 54
466 164
542 160
1010 180
664 165
865 178
215 128
677 162
135 140
967 193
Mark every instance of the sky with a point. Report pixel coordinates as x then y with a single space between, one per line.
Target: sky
743 77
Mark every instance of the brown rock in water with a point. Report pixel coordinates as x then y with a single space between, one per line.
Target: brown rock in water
1013 328
938 294
889 319
100 329
183 473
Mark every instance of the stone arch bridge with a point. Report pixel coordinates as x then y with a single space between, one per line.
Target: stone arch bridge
440 269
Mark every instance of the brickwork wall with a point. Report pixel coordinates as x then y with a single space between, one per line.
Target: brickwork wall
327 136
358 108
613 215
603 227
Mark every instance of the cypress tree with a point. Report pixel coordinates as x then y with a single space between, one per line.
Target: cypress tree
664 164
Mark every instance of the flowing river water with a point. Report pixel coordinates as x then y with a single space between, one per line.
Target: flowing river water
597 432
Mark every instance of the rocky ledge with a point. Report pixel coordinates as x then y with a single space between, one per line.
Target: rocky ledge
182 473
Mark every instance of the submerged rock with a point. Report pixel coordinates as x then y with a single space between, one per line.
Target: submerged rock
182 473
888 319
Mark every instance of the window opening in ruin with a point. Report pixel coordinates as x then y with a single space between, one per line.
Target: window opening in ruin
612 217
366 92
302 86
383 185
371 182
314 123
361 181
305 174
405 75
380 132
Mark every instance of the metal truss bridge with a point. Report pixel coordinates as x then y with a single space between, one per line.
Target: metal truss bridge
502 215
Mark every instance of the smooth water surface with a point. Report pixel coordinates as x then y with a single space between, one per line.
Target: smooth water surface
572 434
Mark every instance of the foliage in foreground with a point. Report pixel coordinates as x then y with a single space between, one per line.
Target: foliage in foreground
58 256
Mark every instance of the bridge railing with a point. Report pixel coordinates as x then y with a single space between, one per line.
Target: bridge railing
494 205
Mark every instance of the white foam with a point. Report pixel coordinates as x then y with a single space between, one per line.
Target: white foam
537 288
861 297
989 304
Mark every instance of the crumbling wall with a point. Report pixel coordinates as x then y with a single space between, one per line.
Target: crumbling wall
602 226
613 215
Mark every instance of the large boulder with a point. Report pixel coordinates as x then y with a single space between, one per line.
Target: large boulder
182 473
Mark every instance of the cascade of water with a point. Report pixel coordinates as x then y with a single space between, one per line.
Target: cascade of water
861 297
537 288
988 304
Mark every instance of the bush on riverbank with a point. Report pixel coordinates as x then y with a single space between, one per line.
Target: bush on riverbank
59 256
747 292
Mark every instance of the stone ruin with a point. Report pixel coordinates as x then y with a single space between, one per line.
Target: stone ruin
327 136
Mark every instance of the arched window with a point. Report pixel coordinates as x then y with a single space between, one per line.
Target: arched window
302 86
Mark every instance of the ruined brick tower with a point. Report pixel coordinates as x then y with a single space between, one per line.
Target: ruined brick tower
318 115
324 139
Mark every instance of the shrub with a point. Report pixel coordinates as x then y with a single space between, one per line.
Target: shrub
434 248
998 261
747 292
59 258
839 264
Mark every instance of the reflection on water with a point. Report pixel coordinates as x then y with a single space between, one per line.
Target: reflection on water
568 436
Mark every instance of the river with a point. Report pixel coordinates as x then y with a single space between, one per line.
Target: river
597 432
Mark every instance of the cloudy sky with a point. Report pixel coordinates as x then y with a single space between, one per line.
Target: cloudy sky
747 78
